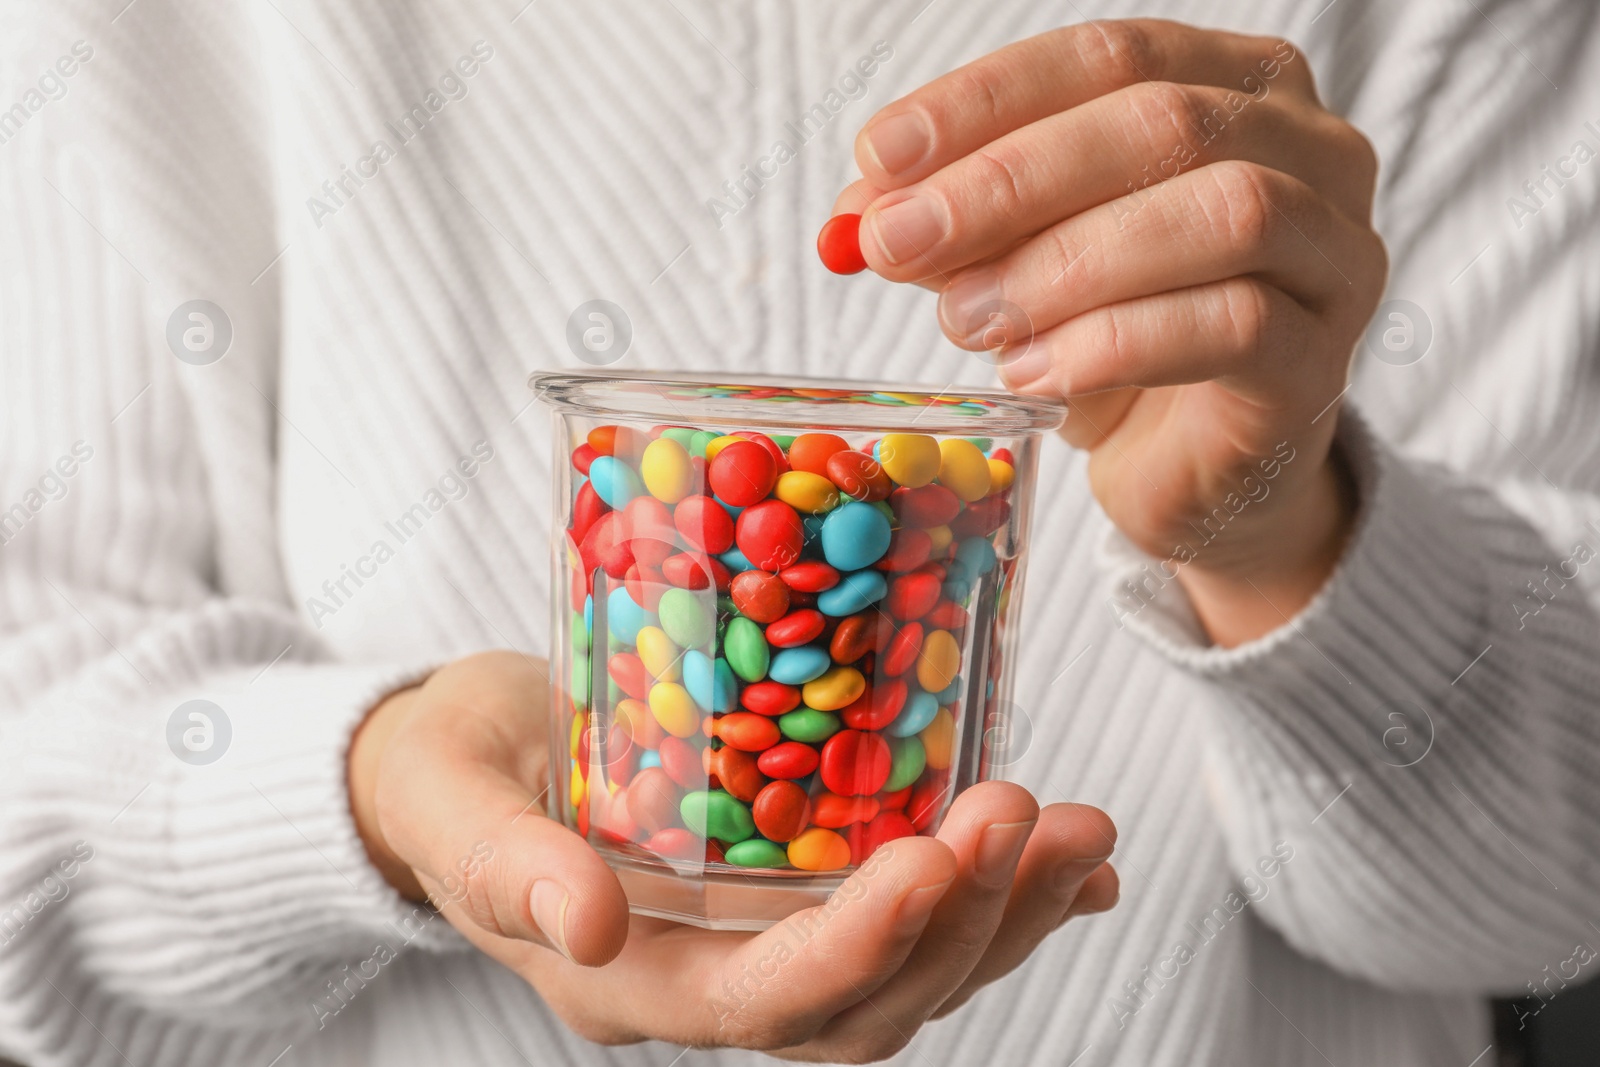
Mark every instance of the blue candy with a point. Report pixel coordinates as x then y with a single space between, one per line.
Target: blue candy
976 555
855 536
710 685
853 593
735 561
915 716
797 666
950 693
614 481
625 618
649 758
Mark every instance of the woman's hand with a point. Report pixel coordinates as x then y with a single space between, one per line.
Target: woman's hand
453 771
1163 225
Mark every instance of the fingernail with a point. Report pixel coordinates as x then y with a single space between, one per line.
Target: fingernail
898 143
550 912
917 907
1069 877
964 307
908 229
998 851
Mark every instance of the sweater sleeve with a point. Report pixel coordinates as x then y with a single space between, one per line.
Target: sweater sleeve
156 851
1422 735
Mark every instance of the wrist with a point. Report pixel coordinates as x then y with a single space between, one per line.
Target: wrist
1294 551
363 769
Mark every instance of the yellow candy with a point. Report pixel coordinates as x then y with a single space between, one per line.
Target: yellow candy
660 656
717 444
666 470
630 715
941 537
939 740
911 459
963 469
674 709
807 492
1001 475
579 787
579 724
817 849
838 687
939 661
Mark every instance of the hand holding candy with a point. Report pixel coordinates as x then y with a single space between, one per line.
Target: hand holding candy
1163 225
457 768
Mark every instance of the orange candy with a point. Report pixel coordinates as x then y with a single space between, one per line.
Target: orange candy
818 849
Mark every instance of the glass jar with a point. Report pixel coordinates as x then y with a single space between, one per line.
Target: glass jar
784 616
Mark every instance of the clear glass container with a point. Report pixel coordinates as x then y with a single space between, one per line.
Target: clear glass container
784 616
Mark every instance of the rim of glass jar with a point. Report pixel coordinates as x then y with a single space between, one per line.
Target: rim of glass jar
591 393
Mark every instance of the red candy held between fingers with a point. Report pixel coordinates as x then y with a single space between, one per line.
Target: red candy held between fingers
839 245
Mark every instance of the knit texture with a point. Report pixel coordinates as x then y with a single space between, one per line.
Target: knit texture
396 243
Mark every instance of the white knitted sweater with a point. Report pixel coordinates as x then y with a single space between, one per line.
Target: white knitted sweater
172 529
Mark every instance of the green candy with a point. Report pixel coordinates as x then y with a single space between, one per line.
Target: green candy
782 440
983 443
580 633
808 725
888 512
716 814
580 679
907 758
757 852
681 434
688 622
745 647
697 443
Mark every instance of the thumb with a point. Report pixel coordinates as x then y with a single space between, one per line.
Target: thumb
487 855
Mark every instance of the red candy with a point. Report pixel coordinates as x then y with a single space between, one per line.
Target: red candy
756 733
877 707
788 759
737 772
796 629
836 812
675 843
586 511
653 800
859 476
911 596
759 596
769 698
909 548
781 810
839 245
946 615
925 506
810 576
982 518
927 803
769 534
903 650
894 801
687 572
621 441
743 473
859 634
854 763
810 452
628 671
773 450
645 585
681 761
582 456
868 837
704 523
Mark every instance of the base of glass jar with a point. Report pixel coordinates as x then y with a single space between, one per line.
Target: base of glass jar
717 900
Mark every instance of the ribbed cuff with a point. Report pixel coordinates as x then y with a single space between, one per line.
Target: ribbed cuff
1399 619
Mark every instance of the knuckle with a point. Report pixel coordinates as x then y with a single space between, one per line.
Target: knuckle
758 1032
1125 50
1001 173
1165 109
1244 211
974 86
1247 314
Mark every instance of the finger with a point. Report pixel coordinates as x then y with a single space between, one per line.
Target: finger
1241 332
987 828
1099 892
1006 90
1229 219
1126 143
1070 843
479 836
775 990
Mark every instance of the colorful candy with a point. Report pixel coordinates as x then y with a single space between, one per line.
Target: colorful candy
778 627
